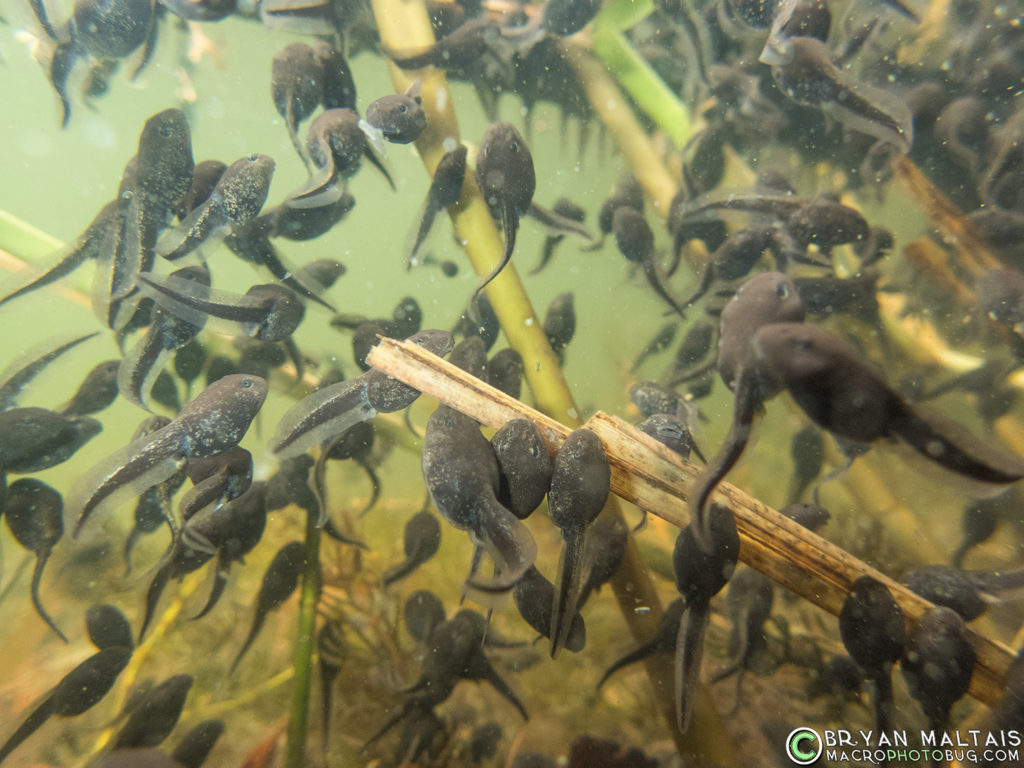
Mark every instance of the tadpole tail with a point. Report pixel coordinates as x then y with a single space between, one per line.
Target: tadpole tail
156 588
746 406
293 131
374 483
567 588
637 654
149 47
376 163
32 723
885 708
257 625
37 577
319 479
328 673
400 571
702 287
220 582
508 542
44 20
510 223
547 252
654 279
426 223
490 674
332 530
689 653
951 446
129 545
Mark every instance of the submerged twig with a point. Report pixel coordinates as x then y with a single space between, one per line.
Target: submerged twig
652 477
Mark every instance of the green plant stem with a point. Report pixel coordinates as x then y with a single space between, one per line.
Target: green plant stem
302 661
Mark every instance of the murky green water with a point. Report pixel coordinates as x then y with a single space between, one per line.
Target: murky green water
891 513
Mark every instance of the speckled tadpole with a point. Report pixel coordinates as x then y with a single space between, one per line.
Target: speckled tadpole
580 485
216 420
462 477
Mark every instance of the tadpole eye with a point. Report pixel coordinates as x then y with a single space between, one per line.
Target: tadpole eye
803 344
782 290
165 131
403 108
247 383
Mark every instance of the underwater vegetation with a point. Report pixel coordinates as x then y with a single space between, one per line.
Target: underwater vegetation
310 476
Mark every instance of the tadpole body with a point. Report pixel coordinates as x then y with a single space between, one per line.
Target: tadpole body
279 582
872 626
580 484
700 575
35 516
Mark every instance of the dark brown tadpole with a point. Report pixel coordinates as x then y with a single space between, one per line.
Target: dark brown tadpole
524 464
580 484
330 411
569 212
97 391
607 540
227 532
663 640
978 523
534 595
763 300
107 627
266 312
235 200
845 394
154 717
423 610
805 72
505 371
560 323
28 366
749 602
112 29
35 516
34 439
296 75
506 179
462 48
337 146
216 480
462 476
872 626
661 341
938 661
807 450
88 245
331 651
636 242
672 432
399 116
701 573
79 690
196 745
279 581
445 190
339 87
216 420
421 540
734 258
167 332
163 179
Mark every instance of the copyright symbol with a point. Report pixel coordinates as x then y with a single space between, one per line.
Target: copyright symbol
803 746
